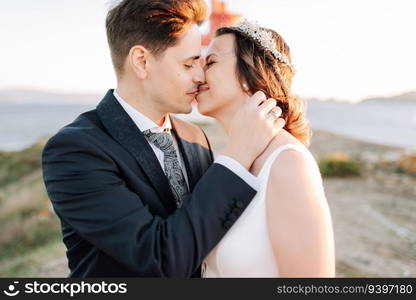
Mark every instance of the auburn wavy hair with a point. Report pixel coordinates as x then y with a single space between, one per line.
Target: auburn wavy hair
261 71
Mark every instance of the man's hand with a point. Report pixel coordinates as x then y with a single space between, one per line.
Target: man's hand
252 128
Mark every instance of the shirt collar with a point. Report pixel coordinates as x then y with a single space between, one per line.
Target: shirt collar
141 121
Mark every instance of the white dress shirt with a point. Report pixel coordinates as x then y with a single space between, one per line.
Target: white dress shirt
144 123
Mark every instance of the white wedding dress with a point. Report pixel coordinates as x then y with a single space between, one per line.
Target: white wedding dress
245 250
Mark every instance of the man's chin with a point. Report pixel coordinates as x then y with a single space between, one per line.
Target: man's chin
183 110
188 111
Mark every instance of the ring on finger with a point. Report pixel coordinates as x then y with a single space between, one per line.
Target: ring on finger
274 114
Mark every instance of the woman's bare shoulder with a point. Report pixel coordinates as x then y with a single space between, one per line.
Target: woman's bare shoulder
282 138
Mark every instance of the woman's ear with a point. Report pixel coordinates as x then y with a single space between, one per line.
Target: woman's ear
245 87
139 61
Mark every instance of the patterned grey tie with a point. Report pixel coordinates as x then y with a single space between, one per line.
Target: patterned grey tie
173 171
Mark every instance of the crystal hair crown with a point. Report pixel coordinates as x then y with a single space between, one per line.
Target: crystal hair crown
264 38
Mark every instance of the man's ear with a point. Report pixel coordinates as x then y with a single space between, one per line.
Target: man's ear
139 61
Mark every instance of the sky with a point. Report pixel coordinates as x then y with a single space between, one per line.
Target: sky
342 49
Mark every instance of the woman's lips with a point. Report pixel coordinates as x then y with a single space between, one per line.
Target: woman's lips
203 89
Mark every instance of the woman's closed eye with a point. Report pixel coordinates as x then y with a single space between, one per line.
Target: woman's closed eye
209 63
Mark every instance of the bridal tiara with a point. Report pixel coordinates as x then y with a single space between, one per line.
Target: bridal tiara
264 38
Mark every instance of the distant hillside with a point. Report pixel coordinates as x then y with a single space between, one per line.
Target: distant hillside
409 97
25 96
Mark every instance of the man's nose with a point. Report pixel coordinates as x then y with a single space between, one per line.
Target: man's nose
199 76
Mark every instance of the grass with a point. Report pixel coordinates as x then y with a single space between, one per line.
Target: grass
22 235
26 219
47 259
407 164
341 165
17 164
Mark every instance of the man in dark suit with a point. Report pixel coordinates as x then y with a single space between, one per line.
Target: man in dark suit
135 188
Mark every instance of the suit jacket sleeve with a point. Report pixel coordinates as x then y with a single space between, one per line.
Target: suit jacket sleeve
89 194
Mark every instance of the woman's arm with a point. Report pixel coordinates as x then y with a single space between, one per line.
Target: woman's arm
299 219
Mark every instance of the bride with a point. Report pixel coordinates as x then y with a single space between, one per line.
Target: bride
286 231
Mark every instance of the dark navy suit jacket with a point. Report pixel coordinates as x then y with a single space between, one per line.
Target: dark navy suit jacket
117 212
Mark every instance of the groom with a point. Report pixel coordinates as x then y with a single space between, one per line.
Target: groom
136 189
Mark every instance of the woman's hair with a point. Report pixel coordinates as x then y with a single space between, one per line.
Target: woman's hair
262 71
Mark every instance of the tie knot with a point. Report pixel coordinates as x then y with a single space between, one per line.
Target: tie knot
162 140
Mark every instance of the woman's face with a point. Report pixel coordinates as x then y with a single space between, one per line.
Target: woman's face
222 88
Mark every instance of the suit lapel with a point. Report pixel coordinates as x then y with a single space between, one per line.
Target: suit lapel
124 130
188 151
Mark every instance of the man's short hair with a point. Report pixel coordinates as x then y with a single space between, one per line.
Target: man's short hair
154 24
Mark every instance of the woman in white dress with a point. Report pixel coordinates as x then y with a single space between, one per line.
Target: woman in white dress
286 231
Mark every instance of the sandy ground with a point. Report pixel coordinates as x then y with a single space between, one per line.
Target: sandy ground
373 216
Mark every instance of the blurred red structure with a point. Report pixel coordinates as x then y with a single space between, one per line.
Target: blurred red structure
219 17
